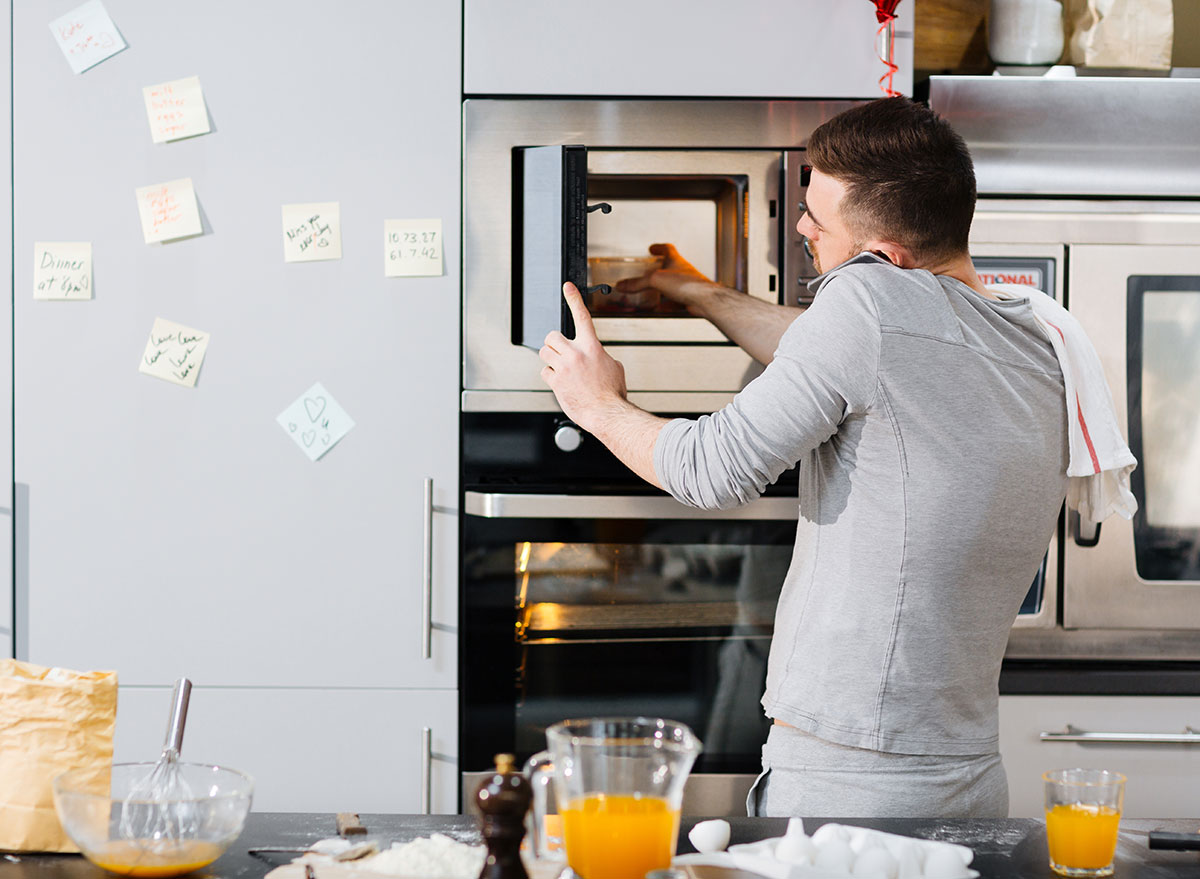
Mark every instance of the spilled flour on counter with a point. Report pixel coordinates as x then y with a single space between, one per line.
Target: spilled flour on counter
434 857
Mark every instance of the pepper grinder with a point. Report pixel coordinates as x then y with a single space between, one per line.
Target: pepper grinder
503 800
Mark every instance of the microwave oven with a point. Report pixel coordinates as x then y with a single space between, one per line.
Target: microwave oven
557 190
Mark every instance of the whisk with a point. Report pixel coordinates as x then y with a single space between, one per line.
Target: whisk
160 808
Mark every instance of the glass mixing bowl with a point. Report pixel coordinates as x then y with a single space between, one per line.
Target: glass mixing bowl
90 807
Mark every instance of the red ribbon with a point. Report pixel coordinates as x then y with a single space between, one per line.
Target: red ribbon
885 13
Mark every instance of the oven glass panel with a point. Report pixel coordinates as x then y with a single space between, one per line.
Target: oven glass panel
585 618
1164 419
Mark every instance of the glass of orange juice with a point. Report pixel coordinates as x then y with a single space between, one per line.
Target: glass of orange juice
1083 809
618 784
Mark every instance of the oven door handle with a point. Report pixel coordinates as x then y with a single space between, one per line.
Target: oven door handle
1073 734
598 506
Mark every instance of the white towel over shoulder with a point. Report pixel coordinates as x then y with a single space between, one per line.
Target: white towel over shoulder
1100 460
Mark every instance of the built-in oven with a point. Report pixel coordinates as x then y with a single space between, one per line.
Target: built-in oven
1141 304
558 190
1130 590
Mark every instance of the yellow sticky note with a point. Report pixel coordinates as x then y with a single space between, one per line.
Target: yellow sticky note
168 210
174 353
176 109
62 270
412 248
312 231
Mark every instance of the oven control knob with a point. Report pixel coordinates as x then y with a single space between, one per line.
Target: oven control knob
568 437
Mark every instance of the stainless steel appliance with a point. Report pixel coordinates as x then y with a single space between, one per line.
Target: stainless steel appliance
1117 202
1130 590
720 179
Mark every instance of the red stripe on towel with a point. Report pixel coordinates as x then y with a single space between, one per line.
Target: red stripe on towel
1087 437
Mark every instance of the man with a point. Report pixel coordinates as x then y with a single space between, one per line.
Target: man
928 418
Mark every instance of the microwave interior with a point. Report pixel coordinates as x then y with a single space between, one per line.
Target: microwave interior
703 216
590 216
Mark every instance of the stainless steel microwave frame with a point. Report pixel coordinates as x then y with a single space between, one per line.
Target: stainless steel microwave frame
750 138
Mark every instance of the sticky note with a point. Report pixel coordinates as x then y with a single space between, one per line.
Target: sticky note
315 421
312 231
168 210
87 36
174 353
62 270
412 248
176 109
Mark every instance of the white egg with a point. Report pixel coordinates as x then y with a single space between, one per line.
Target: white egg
875 861
710 836
834 855
796 849
899 845
830 831
908 867
795 827
864 839
944 863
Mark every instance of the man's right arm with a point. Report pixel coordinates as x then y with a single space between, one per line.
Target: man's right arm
754 325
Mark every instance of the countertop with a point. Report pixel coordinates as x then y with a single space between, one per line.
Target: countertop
1013 848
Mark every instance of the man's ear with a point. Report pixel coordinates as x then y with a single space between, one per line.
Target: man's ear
897 254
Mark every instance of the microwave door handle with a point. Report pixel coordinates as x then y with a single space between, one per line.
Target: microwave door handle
491 505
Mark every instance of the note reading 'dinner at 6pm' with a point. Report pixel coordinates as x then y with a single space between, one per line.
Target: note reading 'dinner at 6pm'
62 270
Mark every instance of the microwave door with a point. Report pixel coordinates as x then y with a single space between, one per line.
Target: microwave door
550 232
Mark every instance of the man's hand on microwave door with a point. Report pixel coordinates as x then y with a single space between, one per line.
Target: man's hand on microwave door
590 387
585 379
678 280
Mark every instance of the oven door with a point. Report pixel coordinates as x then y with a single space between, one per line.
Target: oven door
594 605
1140 305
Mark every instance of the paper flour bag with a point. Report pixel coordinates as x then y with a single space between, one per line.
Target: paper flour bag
1121 33
51 720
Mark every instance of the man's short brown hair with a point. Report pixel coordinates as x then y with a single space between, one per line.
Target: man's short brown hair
908 176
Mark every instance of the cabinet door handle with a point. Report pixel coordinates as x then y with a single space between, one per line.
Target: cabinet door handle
426 769
427 574
1073 734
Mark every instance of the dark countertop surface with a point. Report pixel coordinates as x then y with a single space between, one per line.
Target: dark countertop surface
1013 848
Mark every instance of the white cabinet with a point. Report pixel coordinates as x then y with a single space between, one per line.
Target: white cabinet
1161 777
309 749
170 530
702 48
165 530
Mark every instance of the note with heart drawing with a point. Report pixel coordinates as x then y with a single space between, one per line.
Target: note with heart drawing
315 421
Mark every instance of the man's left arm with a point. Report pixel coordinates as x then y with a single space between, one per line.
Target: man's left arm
590 387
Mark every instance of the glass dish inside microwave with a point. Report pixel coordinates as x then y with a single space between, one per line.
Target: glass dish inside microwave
612 269
703 215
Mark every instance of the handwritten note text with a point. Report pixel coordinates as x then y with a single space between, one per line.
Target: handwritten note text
176 109
168 210
87 36
174 353
312 231
412 248
315 421
62 270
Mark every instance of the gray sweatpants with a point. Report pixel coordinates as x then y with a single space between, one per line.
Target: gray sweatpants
804 776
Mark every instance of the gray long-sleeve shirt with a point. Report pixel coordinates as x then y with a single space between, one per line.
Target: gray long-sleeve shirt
930 427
